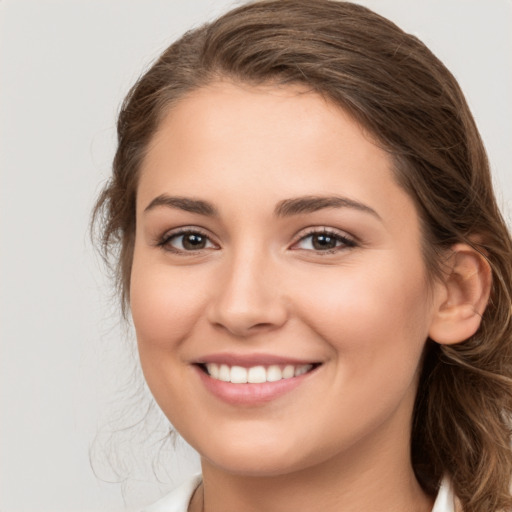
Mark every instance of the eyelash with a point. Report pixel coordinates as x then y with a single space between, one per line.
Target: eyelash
345 241
165 241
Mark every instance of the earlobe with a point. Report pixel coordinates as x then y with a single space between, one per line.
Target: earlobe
461 297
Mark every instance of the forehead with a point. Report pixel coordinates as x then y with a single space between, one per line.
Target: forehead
280 117
266 142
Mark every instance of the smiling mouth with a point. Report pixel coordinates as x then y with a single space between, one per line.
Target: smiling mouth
255 374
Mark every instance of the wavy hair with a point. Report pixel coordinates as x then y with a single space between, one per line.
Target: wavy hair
392 84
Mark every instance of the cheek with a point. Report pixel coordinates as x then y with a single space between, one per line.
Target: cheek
376 324
165 305
375 315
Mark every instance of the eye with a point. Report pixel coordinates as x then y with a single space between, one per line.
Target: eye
186 241
324 241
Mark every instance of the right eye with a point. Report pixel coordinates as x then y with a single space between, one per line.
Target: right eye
186 241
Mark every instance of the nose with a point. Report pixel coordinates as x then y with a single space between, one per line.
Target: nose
248 298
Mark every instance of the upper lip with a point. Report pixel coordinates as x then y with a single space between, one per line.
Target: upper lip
249 360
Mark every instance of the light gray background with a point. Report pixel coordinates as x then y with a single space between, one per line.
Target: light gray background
66 363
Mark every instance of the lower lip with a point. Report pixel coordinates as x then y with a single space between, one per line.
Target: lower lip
250 394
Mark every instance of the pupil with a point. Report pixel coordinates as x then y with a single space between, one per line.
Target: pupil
322 242
194 241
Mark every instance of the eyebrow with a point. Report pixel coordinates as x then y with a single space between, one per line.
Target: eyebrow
310 204
183 203
285 208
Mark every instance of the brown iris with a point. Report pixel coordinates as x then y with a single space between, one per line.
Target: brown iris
322 242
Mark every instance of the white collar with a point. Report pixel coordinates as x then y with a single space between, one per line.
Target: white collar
179 499
445 501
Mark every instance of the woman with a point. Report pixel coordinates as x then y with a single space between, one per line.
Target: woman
318 274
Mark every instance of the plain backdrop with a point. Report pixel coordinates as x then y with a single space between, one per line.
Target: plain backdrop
68 378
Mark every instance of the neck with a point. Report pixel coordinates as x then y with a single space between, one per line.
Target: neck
372 477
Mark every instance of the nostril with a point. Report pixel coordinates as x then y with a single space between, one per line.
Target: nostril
261 326
243 327
243 308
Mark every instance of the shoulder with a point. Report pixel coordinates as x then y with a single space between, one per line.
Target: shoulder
178 499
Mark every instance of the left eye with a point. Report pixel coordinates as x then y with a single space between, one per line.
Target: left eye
188 241
323 241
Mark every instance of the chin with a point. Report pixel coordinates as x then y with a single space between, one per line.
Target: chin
256 460
256 467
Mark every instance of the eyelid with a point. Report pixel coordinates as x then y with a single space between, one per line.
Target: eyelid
348 241
163 240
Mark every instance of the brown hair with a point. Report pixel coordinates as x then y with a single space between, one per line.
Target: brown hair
412 105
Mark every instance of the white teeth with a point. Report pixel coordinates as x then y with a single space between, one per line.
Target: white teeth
224 373
255 374
213 370
289 371
238 375
274 373
301 370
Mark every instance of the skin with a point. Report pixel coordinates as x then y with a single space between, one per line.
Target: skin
340 440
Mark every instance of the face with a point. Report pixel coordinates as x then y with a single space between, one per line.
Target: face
278 290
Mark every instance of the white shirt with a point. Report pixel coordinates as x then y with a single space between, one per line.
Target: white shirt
179 499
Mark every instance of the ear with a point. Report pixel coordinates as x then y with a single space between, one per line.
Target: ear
461 297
